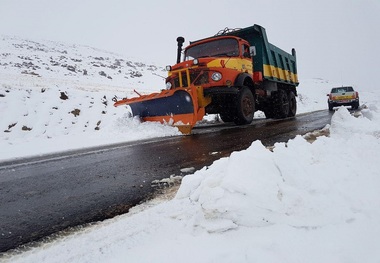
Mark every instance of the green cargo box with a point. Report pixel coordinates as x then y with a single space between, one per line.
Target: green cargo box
274 63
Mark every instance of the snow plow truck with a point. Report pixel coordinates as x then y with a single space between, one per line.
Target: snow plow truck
233 74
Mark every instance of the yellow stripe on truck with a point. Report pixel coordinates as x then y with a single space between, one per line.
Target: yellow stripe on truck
243 65
275 72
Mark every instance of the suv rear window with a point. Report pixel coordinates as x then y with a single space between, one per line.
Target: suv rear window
342 89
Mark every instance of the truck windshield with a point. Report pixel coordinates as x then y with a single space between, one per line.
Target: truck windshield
225 47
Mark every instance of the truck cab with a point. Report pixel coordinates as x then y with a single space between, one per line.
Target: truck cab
222 66
214 62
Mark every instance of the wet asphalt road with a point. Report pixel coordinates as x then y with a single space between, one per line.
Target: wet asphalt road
43 195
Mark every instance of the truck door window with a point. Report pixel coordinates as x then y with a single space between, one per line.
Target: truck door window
245 51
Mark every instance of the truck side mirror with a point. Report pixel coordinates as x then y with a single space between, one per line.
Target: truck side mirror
252 51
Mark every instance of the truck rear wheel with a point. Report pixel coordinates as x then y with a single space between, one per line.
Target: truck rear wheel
268 111
292 104
280 104
245 107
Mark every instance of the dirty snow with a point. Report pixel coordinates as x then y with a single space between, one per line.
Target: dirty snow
296 202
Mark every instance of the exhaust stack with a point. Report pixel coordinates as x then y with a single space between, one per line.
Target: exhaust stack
180 41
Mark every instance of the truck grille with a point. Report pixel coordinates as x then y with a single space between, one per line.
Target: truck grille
185 78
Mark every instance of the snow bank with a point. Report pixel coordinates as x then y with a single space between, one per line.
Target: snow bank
298 202
40 120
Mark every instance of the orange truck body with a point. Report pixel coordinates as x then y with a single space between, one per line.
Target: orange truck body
232 74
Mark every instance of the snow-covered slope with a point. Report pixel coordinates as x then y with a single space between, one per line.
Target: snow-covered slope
56 96
80 64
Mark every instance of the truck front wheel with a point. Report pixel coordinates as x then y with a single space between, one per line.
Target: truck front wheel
245 107
226 117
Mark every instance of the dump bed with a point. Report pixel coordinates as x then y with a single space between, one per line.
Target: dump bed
274 63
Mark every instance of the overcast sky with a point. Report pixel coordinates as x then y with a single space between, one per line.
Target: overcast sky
335 39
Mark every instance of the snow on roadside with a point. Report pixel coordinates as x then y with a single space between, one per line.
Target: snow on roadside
43 116
40 120
299 202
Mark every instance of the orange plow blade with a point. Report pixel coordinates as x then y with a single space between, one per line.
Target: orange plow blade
181 107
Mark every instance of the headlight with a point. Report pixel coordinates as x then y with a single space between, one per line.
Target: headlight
195 61
168 68
168 85
216 76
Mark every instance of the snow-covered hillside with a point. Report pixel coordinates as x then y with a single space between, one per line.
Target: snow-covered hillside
80 64
55 96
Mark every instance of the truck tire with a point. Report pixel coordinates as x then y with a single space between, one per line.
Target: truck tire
292 104
227 112
280 104
226 117
245 107
268 111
